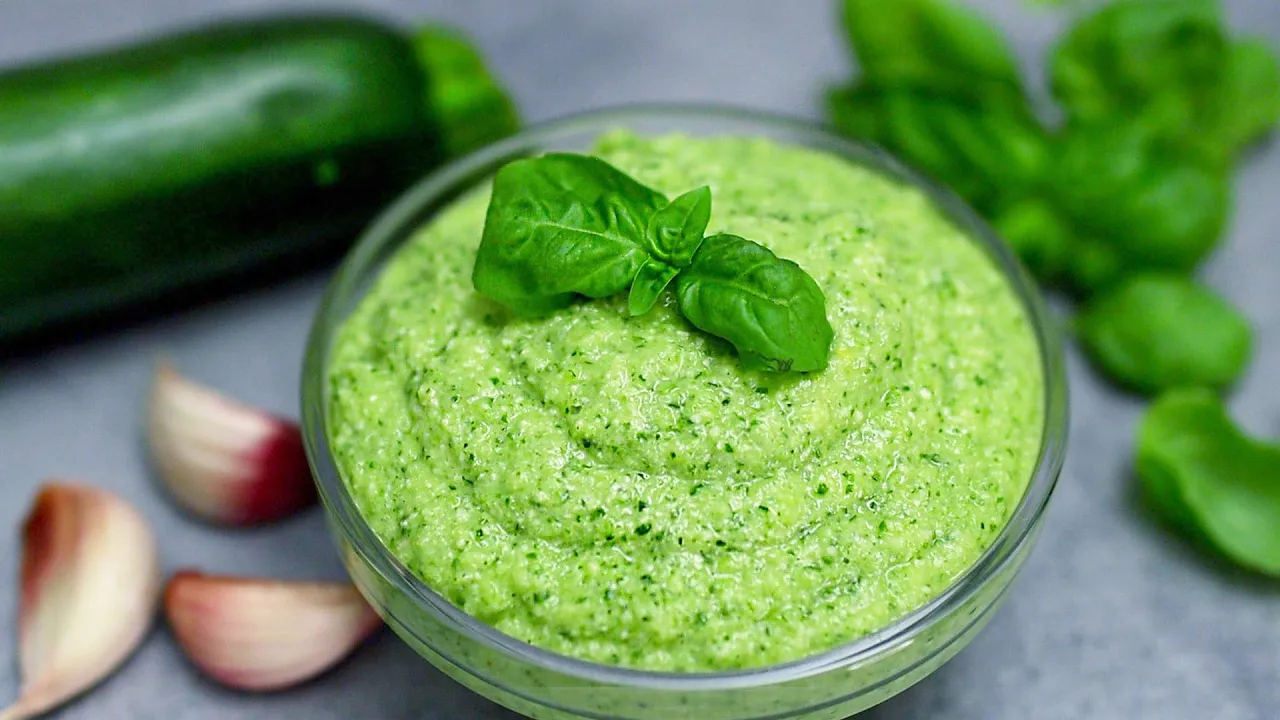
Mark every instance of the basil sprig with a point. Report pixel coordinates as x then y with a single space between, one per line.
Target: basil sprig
564 225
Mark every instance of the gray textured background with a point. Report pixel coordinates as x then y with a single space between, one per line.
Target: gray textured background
1112 618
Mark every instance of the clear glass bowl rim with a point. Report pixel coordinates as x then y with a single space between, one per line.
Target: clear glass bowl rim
391 227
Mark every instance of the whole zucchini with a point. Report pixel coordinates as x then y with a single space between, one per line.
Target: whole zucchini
132 173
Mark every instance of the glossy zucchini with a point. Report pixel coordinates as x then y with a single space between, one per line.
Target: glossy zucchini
136 172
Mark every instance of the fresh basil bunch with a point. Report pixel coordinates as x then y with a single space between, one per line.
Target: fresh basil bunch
1133 205
987 153
938 48
566 225
940 87
1169 66
1158 101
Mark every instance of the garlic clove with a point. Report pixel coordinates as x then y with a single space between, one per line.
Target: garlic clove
223 461
89 587
256 634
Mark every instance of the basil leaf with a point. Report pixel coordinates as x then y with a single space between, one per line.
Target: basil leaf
1162 331
984 153
770 309
653 278
675 232
1039 235
932 45
1138 206
558 225
1165 497
1196 463
1169 66
1250 104
1160 58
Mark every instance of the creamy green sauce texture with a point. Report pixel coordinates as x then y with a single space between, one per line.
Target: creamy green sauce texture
620 490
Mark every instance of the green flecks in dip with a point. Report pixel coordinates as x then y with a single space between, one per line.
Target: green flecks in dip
619 489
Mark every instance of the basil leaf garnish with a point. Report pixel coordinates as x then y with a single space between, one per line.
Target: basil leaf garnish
675 232
769 308
653 278
558 225
564 225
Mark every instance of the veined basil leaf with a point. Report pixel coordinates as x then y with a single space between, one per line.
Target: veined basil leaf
675 232
770 309
558 225
653 278
1199 467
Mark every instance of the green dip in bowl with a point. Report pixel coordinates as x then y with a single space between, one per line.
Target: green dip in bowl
618 493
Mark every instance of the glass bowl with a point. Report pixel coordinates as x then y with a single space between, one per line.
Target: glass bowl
545 685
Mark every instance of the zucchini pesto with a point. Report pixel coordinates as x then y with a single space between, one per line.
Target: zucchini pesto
623 490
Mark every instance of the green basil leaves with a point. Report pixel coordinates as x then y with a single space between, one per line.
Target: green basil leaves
1158 101
1118 204
1162 331
565 225
1134 203
1210 479
934 46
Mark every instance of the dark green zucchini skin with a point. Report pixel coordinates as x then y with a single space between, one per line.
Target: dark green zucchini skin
133 172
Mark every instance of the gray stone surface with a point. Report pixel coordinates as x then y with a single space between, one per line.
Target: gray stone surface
1112 618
